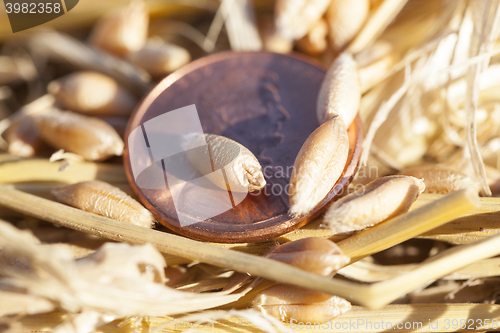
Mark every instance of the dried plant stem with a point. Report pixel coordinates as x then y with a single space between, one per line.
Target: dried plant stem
241 26
167 243
375 295
478 223
409 225
205 285
381 116
391 314
471 226
369 272
43 170
67 49
376 23
43 189
448 261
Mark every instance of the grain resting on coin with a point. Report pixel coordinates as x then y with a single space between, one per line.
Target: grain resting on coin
242 170
340 92
318 165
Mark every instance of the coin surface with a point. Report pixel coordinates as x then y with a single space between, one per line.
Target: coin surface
266 102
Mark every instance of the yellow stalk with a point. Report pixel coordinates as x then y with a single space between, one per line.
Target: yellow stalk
442 313
43 170
409 225
366 271
377 22
374 296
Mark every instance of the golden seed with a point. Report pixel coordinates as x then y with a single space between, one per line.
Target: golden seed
313 254
241 168
286 302
378 201
318 165
441 180
123 31
294 18
160 59
345 19
340 92
93 94
89 137
104 199
23 138
315 41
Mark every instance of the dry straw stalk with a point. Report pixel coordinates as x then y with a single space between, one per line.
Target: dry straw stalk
400 228
37 170
376 23
366 271
373 296
393 314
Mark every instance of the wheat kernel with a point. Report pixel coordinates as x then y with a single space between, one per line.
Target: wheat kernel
378 201
89 137
104 199
122 31
441 180
313 254
340 92
242 169
93 94
318 165
287 302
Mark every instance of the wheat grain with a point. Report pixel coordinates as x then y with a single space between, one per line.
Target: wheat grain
313 254
441 180
89 137
340 92
159 58
123 31
93 94
103 199
318 165
287 302
381 199
345 19
242 171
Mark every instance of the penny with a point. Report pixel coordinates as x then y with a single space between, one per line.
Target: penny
266 102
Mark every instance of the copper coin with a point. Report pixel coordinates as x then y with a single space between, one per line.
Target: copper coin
266 102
